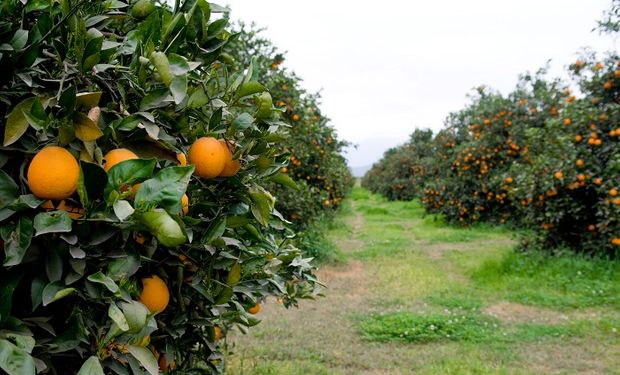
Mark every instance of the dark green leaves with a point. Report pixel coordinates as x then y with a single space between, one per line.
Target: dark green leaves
165 189
9 191
124 174
91 367
18 242
16 123
8 283
91 182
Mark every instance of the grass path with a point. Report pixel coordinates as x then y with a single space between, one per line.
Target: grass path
416 296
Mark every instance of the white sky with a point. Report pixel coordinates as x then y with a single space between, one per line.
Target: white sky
387 67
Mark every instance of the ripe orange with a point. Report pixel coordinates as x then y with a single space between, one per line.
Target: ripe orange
567 121
184 204
579 163
608 85
53 173
509 180
615 241
598 181
116 156
558 175
578 138
613 192
232 166
591 228
209 157
155 294
295 117
254 309
581 177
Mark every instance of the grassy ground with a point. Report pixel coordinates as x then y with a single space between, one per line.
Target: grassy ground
412 295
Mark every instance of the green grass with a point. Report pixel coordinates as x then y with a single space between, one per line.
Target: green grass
567 281
411 294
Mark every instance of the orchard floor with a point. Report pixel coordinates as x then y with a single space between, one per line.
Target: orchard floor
413 295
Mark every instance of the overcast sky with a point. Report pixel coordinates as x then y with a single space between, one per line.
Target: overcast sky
387 67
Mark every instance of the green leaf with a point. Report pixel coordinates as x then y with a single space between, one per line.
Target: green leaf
91 182
16 122
92 51
224 296
249 88
68 100
122 209
15 361
92 366
156 99
135 315
9 191
52 222
8 283
178 88
261 206
242 122
25 202
178 65
284 179
168 231
104 280
215 231
55 291
118 317
145 357
125 266
165 189
198 99
19 241
234 275
126 174
19 40
85 129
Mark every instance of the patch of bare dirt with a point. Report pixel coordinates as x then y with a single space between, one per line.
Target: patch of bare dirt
517 313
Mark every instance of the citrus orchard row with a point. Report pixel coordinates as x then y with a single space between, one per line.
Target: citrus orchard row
545 157
138 166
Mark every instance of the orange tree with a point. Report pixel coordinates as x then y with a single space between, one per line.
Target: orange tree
402 172
135 223
315 161
568 186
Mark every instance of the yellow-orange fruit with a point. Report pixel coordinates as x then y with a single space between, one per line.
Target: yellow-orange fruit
53 173
182 159
232 166
74 212
209 157
155 294
184 204
116 156
254 309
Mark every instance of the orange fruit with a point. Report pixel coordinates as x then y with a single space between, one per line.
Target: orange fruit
116 156
509 180
578 138
53 173
164 365
567 121
615 241
182 159
613 192
155 294
591 228
579 163
217 333
558 175
209 157
232 166
254 309
295 117
608 85
184 205
74 212
598 181
581 177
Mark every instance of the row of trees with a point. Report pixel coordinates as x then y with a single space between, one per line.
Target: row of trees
146 171
545 157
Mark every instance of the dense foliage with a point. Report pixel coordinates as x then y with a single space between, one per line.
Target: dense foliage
540 157
120 279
